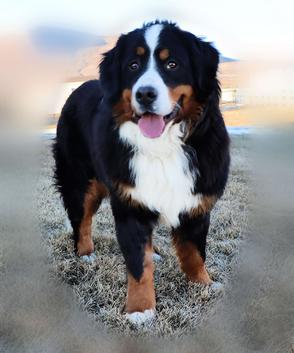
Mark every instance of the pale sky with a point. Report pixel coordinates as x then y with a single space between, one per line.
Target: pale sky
236 27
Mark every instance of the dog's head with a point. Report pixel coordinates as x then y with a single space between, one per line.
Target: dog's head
157 76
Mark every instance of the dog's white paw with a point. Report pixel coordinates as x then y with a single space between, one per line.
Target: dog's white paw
67 226
139 318
156 257
217 286
88 258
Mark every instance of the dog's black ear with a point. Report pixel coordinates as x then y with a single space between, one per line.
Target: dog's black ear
210 61
109 69
204 61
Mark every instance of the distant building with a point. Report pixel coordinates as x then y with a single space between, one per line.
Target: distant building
66 88
230 95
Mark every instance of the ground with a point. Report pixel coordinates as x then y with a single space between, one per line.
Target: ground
100 286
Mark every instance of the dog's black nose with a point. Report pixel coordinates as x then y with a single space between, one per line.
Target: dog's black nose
146 95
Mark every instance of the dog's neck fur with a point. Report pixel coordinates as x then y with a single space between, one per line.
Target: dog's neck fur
163 180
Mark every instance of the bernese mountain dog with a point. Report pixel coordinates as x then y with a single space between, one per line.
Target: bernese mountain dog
150 136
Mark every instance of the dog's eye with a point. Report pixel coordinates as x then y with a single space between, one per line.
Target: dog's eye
134 65
171 65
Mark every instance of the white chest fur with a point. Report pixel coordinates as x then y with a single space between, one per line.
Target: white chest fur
160 168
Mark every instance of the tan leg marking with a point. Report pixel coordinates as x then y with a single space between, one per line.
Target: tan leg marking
205 206
96 192
191 261
124 192
141 294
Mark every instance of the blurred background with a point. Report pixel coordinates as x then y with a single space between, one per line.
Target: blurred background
50 48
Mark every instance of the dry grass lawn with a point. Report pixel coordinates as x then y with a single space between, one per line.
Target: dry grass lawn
100 286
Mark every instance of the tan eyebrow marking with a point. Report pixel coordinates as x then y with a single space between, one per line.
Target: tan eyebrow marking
164 54
140 51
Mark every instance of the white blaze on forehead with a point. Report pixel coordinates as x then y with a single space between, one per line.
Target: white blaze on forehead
152 37
151 77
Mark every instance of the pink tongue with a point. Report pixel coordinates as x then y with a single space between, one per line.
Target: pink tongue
151 125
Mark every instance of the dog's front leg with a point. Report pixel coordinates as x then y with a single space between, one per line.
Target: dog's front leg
134 230
190 243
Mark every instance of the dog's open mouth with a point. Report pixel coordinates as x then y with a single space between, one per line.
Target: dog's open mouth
152 125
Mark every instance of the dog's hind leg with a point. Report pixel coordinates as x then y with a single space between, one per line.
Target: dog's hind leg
96 191
81 204
81 196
